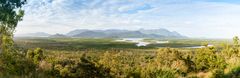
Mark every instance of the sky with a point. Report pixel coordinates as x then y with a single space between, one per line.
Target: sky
192 18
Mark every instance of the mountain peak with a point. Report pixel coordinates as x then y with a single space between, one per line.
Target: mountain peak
147 33
112 33
57 35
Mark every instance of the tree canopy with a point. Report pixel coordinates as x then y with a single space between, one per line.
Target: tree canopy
10 14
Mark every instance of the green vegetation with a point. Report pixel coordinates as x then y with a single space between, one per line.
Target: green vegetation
10 15
76 44
73 44
104 58
118 61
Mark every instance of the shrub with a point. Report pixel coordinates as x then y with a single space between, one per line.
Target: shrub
16 64
217 73
82 68
167 56
207 59
171 58
234 73
36 55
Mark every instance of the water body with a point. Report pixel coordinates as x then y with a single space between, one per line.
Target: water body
142 44
140 41
210 45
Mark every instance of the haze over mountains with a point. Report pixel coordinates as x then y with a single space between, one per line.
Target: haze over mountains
36 34
111 33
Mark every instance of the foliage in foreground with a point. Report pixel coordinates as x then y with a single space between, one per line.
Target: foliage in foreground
207 62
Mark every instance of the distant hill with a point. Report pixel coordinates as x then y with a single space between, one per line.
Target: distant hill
128 34
37 34
162 32
110 33
58 36
115 33
90 34
75 32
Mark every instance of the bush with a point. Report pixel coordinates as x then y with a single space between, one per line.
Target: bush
16 64
36 55
67 68
207 59
164 74
234 73
217 73
172 58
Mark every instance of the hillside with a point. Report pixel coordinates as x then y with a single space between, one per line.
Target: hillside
111 33
115 33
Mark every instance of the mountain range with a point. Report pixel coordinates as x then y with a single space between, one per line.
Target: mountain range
37 34
113 33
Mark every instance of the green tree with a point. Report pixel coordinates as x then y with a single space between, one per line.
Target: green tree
236 41
10 14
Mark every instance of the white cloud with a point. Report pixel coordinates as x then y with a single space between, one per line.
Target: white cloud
192 18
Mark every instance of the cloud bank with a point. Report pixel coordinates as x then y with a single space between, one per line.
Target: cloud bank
193 18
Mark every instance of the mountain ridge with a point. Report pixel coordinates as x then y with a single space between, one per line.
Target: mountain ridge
117 33
112 33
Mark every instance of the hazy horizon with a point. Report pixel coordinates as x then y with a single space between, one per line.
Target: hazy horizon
192 18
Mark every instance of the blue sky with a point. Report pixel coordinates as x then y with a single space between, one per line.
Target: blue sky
193 18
